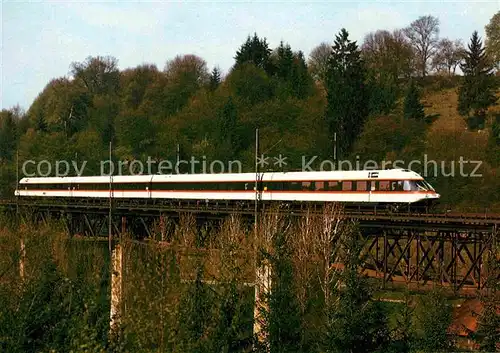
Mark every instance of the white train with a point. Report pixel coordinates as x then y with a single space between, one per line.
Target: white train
390 187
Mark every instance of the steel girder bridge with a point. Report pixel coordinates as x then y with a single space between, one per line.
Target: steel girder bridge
416 250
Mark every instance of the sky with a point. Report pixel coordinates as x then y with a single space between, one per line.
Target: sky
40 39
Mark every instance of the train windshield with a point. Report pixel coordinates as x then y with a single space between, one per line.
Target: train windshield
429 186
418 185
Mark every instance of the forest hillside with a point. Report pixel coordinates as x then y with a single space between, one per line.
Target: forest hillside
380 103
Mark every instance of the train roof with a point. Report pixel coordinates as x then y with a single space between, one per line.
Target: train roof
387 174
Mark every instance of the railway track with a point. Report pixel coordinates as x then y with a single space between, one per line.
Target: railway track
154 207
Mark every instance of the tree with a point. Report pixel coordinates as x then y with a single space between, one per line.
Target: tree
493 39
488 324
291 73
448 56
215 79
256 51
188 67
423 35
356 323
284 321
388 57
135 82
103 115
186 74
403 333
301 80
347 95
495 130
8 139
388 53
135 134
250 83
195 315
384 92
62 106
318 61
226 138
434 317
284 61
477 91
488 333
99 74
413 108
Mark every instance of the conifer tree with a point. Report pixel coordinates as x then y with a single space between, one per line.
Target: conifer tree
7 135
215 79
293 76
413 108
403 333
283 317
40 123
226 137
434 318
301 79
477 92
195 315
488 333
347 96
495 129
356 323
285 60
383 92
256 51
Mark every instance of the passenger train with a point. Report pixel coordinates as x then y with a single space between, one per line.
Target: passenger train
393 187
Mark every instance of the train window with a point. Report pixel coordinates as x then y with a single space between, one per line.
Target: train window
361 185
397 186
306 185
319 185
417 186
334 186
384 185
277 185
346 185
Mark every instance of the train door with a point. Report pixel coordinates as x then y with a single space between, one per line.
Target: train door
372 184
149 187
70 190
111 192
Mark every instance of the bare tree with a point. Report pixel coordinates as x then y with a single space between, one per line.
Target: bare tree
448 56
493 40
388 52
184 66
423 34
326 245
318 61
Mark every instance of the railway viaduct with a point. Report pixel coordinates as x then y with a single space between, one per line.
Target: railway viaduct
416 250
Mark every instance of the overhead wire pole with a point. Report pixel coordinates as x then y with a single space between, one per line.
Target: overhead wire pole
256 179
116 263
335 150
262 271
22 250
110 229
257 284
17 189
